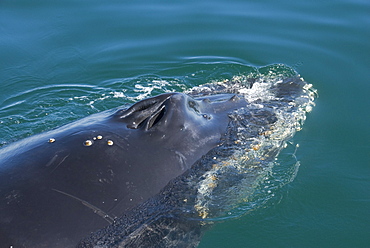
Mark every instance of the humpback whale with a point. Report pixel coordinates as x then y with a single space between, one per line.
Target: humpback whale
152 175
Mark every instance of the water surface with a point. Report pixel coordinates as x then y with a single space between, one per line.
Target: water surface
61 61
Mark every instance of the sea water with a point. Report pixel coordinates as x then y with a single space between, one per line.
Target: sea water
61 61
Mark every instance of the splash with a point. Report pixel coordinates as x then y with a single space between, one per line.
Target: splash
246 172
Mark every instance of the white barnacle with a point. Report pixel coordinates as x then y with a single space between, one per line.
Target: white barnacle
110 142
51 140
99 137
88 143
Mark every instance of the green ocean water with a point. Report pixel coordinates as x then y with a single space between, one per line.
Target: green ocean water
63 60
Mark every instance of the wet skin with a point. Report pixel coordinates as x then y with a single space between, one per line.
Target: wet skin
57 187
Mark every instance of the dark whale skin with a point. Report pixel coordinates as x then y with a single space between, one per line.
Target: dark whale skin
58 187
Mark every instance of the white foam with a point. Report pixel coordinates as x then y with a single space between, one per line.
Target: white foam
251 165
